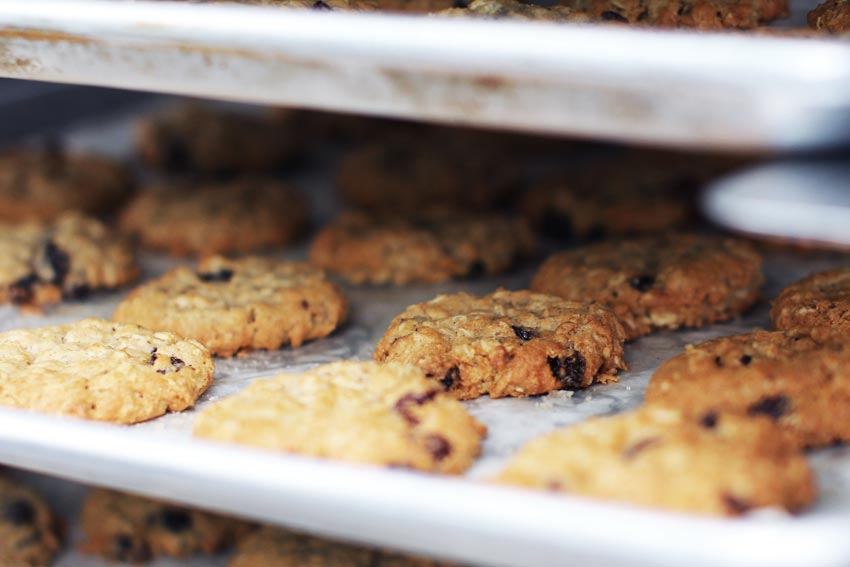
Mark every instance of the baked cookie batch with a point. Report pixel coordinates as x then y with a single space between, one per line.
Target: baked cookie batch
724 425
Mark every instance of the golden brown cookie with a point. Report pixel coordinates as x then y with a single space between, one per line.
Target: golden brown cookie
701 14
385 414
43 184
95 369
241 305
236 216
819 300
42 263
658 282
508 343
274 547
659 458
202 140
435 248
132 529
799 379
832 16
29 532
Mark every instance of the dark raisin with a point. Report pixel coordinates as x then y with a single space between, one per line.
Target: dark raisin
80 291
59 262
709 420
175 520
633 451
223 275
718 361
176 155
642 283
405 402
524 334
476 270
568 369
305 304
746 359
771 406
735 505
557 226
438 446
177 363
460 4
611 16
126 549
319 5
152 359
21 291
19 512
451 378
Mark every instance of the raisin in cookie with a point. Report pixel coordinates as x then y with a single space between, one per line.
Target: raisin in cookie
832 16
236 216
41 263
659 282
516 9
508 343
379 250
274 547
386 414
701 14
42 184
203 140
95 369
29 534
725 466
411 175
819 300
133 529
239 305
420 6
801 380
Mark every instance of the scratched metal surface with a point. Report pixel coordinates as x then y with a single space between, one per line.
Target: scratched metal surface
405 510
728 90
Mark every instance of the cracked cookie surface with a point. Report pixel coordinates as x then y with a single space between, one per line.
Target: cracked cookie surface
818 300
832 16
132 529
43 263
800 379
508 343
658 282
96 369
29 532
239 305
367 412
274 547
700 14
43 184
234 216
436 248
652 457
516 9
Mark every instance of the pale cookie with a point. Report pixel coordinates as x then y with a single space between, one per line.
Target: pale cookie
29 532
132 529
659 282
42 263
42 184
508 343
95 369
239 305
659 458
236 216
800 380
516 10
202 140
274 547
819 300
385 414
427 249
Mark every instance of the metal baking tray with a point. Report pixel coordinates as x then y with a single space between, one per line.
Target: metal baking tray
710 90
465 519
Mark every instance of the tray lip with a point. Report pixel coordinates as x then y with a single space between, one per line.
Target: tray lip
37 442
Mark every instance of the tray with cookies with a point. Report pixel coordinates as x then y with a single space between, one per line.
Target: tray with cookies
749 74
533 353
